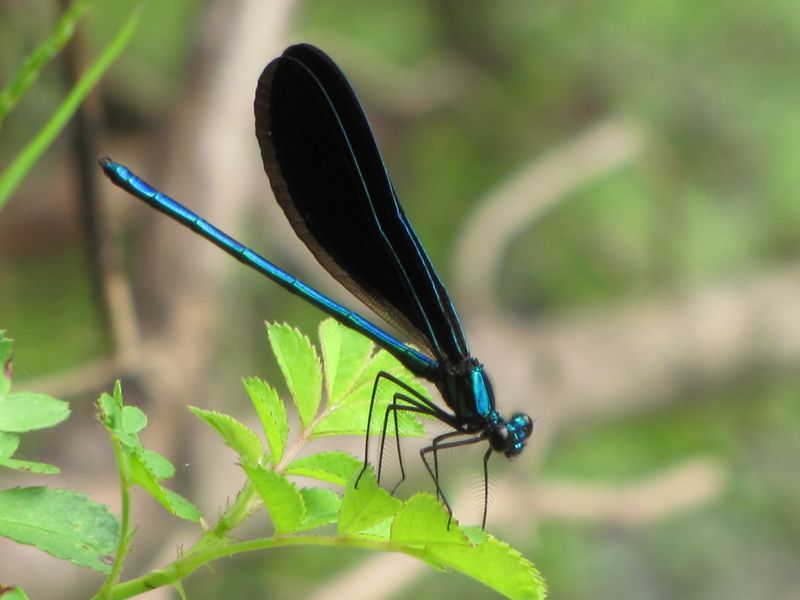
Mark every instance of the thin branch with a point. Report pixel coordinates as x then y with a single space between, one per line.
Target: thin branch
524 198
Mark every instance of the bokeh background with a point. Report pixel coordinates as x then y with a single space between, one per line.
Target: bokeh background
609 190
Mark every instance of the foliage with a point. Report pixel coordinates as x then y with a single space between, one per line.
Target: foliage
365 516
28 73
63 523
362 515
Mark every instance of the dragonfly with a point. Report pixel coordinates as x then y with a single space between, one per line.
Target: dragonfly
329 178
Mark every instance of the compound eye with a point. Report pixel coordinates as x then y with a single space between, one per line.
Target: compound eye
527 424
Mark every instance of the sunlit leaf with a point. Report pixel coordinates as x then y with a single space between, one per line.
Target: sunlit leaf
345 355
366 505
334 467
272 414
280 496
235 434
322 507
299 363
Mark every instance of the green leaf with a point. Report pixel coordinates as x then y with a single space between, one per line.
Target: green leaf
176 504
235 434
381 530
299 363
24 161
423 521
365 506
181 507
383 361
345 355
59 35
63 523
133 419
158 465
26 411
349 417
111 414
422 524
12 593
272 414
280 496
322 507
9 442
29 466
495 564
334 467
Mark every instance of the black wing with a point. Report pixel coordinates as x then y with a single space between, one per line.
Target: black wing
328 176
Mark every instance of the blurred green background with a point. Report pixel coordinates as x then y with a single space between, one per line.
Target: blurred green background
464 96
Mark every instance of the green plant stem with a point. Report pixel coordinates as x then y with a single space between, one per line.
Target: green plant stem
59 35
125 534
200 556
246 501
16 171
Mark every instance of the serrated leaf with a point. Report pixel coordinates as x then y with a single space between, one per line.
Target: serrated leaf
383 361
133 419
475 534
365 506
111 414
141 474
422 521
63 523
9 442
333 467
283 501
159 465
381 530
29 466
182 507
351 419
350 416
235 434
26 411
495 564
322 507
299 363
422 525
272 414
345 355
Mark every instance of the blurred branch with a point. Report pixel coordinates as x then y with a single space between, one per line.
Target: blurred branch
111 291
28 72
27 157
403 92
212 162
522 199
609 362
657 496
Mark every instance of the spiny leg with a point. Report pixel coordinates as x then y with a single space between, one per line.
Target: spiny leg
434 448
413 407
435 411
486 485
